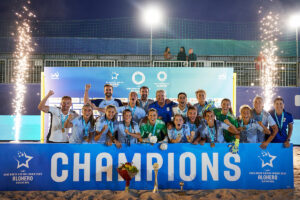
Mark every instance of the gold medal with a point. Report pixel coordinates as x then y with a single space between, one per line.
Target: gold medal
63 130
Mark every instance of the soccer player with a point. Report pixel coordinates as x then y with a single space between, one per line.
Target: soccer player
57 131
225 114
284 121
128 131
106 127
202 104
100 104
153 127
164 108
250 128
182 107
262 117
180 133
193 120
144 102
83 127
211 130
137 112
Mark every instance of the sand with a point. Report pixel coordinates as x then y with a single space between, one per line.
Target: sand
285 194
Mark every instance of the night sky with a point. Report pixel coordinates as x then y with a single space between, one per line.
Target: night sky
209 10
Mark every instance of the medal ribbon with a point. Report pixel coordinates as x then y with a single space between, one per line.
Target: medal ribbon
281 121
85 127
110 126
63 119
212 133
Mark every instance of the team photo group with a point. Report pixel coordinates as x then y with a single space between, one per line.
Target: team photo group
143 120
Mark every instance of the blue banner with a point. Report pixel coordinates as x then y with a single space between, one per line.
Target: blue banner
70 81
93 167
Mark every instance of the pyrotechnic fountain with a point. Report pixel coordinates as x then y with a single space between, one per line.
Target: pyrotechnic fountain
269 33
24 48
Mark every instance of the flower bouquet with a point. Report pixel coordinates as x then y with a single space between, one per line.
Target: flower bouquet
127 171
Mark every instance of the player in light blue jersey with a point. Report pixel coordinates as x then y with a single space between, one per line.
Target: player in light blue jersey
100 104
137 112
182 107
211 130
180 133
262 117
82 126
249 128
106 127
128 131
193 120
202 104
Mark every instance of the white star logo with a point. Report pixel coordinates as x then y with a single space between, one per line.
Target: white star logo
114 75
21 160
267 159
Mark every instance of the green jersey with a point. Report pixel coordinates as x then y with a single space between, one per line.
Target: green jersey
227 135
159 129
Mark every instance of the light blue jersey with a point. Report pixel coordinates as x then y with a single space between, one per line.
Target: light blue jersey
184 132
80 130
124 137
138 113
213 134
112 127
105 103
250 135
176 110
210 105
193 127
266 120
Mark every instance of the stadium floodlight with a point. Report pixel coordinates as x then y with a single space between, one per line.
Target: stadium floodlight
295 23
152 16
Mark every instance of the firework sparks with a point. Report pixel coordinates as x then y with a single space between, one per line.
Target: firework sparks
21 55
269 32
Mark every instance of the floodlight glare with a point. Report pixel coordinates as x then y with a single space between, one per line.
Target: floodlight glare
295 21
152 15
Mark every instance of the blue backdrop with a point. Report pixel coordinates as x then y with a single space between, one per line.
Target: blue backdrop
93 166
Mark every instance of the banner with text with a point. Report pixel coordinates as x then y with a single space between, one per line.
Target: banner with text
93 167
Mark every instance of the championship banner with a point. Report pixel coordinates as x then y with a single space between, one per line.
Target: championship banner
94 167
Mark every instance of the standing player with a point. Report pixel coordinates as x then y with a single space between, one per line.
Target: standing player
182 107
144 102
262 117
284 121
202 104
100 104
164 109
137 113
57 132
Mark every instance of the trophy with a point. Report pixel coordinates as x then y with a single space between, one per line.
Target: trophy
181 192
155 167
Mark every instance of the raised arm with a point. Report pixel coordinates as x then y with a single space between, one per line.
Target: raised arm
86 94
42 106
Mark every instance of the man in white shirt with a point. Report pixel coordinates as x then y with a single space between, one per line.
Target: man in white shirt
57 133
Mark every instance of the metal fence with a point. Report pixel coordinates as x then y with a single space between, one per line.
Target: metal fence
247 74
